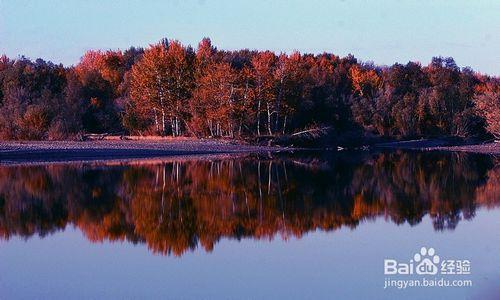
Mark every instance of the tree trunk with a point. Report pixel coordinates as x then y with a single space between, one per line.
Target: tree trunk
156 120
173 126
277 121
179 128
284 124
177 131
258 117
210 128
269 119
188 128
163 122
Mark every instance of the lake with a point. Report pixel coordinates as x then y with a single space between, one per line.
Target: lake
297 226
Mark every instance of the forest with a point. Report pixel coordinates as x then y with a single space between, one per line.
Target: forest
170 89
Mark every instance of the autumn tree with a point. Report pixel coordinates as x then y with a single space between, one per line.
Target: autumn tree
161 83
31 97
213 99
204 63
265 93
243 101
101 74
366 83
290 75
403 85
327 89
68 122
488 105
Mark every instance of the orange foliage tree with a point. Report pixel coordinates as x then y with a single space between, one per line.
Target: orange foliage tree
488 105
161 83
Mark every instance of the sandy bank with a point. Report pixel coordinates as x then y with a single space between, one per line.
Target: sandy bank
29 151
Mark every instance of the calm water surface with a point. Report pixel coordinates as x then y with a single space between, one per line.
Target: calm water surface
295 227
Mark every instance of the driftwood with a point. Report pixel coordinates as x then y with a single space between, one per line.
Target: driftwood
96 136
100 136
315 132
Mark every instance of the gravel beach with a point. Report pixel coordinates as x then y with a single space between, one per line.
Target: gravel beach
46 151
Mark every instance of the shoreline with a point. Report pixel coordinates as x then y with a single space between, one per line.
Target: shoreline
28 152
492 148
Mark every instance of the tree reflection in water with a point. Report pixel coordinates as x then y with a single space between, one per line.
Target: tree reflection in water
173 206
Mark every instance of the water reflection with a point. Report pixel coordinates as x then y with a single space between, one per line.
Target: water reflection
175 206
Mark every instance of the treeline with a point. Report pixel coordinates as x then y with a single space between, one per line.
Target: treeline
172 89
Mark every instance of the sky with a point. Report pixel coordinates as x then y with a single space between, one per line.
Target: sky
382 31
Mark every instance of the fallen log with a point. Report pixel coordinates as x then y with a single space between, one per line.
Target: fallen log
322 130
